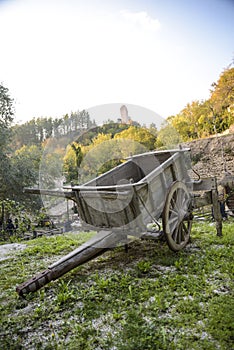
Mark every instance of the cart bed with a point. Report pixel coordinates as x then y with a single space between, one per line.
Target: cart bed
133 193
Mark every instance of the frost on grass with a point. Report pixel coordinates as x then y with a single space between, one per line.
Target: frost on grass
167 298
8 250
105 325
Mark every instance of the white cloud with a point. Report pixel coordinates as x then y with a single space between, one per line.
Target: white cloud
142 20
66 57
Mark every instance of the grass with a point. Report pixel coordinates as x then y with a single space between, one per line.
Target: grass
148 298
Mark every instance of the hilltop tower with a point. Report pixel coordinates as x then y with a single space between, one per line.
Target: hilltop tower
124 115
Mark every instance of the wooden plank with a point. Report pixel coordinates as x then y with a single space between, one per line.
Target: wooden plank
54 193
206 184
202 201
172 151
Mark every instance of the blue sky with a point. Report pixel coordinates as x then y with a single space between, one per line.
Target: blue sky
64 55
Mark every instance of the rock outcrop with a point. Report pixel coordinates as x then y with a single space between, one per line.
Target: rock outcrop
213 156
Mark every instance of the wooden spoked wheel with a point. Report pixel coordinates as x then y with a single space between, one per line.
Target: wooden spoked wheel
177 216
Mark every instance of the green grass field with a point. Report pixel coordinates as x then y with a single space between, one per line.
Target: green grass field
148 298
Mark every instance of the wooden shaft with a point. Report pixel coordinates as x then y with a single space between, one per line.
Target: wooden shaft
53 193
96 246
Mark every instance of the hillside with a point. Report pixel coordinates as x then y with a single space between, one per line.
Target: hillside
213 156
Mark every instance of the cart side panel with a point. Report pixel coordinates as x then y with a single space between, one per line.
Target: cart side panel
147 163
105 208
182 165
158 187
156 197
103 212
127 171
161 179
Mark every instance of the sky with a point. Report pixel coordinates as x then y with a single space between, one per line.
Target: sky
58 56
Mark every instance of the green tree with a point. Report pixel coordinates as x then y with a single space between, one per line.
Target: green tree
69 165
215 115
6 118
79 156
222 92
140 135
222 100
34 132
168 137
25 134
186 123
25 164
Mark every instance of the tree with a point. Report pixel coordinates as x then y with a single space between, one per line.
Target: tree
222 100
25 164
140 135
168 137
222 92
6 118
186 123
34 132
69 165
79 156
203 118
25 134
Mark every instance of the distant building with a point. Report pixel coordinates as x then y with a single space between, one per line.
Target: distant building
125 119
124 115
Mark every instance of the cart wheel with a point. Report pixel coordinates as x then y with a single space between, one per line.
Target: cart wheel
177 216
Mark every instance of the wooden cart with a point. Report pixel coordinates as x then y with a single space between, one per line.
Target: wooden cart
153 189
140 191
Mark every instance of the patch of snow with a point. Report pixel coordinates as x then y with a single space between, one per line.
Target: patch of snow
6 250
188 297
165 269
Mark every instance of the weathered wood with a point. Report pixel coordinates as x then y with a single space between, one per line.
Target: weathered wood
217 212
206 184
97 245
158 235
118 209
106 203
203 200
54 193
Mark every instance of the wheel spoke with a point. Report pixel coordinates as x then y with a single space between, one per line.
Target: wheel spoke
182 233
185 228
186 203
180 199
183 201
172 210
176 216
173 221
175 201
175 235
173 204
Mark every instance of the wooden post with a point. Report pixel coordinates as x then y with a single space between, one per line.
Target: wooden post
217 212
209 185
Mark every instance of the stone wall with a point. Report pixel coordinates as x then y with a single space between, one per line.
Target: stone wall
213 156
